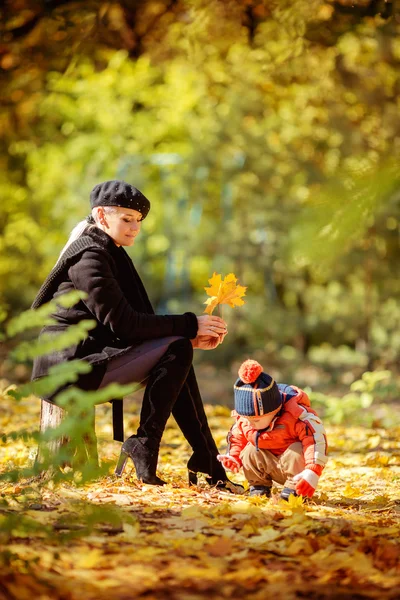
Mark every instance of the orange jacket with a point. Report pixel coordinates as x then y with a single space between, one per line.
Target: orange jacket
295 422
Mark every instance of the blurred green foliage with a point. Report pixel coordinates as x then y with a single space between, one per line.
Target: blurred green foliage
268 147
360 405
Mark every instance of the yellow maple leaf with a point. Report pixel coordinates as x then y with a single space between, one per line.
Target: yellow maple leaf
224 291
351 492
296 504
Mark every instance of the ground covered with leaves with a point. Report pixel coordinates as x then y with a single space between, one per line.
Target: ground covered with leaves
121 539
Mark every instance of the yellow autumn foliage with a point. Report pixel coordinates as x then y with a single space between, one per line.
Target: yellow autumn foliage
224 291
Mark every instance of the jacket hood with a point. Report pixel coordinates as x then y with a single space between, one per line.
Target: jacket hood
298 404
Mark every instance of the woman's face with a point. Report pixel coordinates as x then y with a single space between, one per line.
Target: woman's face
121 224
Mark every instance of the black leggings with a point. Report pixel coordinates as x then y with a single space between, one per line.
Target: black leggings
171 387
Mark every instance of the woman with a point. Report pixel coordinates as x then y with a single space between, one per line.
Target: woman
130 343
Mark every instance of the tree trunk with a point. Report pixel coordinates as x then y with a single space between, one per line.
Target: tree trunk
82 451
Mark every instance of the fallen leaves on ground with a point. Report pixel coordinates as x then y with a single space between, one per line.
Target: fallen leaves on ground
117 538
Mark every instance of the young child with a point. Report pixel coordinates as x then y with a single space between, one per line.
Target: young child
276 437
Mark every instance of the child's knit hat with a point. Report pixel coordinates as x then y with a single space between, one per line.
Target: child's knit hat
256 392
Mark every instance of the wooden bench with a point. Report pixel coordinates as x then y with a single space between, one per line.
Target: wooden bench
82 449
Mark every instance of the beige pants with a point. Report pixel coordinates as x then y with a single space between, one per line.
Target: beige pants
262 467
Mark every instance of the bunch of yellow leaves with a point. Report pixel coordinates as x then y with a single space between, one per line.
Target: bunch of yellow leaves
224 291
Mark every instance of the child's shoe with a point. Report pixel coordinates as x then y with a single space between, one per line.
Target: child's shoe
260 490
286 492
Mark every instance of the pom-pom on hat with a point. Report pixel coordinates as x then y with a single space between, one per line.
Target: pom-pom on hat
256 392
119 193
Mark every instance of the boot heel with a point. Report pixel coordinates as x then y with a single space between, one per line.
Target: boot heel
192 476
119 469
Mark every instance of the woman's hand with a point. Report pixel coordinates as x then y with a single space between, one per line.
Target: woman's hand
207 342
208 325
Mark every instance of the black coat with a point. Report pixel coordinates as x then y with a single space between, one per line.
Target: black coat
116 299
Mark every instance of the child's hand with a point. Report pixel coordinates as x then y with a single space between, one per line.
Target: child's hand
229 462
307 482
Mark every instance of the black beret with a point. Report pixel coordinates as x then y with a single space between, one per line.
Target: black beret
119 193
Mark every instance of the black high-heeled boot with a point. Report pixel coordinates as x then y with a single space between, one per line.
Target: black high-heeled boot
190 416
144 458
218 477
212 468
163 387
